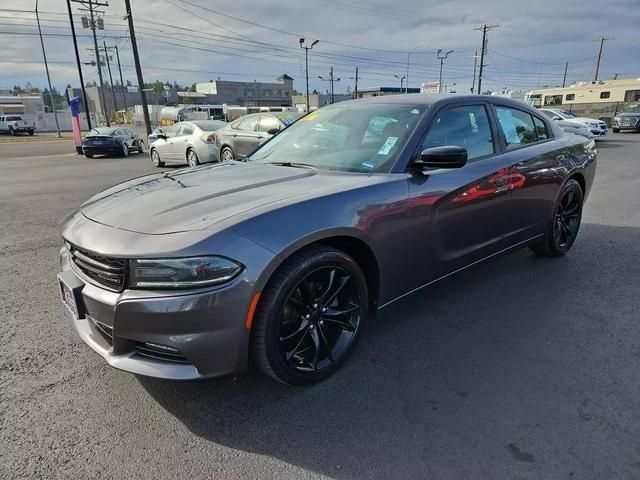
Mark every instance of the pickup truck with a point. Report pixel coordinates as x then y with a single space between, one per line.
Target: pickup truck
14 124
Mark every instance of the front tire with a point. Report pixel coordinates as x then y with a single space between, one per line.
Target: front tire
226 154
141 147
564 223
155 158
616 130
125 150
31 132
88 155
309 316
12 131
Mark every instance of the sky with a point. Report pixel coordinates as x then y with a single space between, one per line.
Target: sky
190 41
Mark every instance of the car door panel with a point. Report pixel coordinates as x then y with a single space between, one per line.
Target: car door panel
461 215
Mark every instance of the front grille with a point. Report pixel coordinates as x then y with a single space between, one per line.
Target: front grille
159 352
108 272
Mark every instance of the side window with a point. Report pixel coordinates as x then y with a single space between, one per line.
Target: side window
570 96
267 122
517 126
172 131
248 124
118 133
553 100
186 130
549 113
541 129
466 127
605 94
632 95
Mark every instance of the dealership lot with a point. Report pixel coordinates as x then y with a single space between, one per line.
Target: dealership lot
518 368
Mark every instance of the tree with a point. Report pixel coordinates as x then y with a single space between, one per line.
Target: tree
192 88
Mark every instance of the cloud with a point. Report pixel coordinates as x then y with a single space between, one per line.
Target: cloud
182 42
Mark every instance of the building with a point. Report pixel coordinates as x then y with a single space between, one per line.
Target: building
246 94
317 100
380 91
20 104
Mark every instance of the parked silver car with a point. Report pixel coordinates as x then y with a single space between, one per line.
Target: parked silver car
238 139
186 142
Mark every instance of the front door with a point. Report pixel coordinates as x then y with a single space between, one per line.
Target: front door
460 215
246 136
168 150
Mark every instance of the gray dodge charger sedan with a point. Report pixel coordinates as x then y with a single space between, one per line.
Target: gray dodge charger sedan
280 260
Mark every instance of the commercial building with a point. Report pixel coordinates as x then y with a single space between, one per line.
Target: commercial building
317 100
246 94
381 91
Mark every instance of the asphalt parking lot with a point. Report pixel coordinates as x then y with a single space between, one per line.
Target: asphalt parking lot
519 368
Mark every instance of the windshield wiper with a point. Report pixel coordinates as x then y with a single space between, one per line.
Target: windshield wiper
292 164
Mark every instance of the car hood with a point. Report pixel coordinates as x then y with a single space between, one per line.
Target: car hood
628 114
199 198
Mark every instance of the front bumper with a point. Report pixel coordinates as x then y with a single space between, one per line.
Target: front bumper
203 333
598 132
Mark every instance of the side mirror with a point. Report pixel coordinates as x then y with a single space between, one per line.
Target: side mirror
442 157
555 117
161 135
273 131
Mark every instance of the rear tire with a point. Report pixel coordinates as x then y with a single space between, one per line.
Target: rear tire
615 130
141 147
564 223
88 155
309 316
12 131
192 158
155 158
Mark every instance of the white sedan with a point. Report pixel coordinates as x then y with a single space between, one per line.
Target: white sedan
598 128
192 142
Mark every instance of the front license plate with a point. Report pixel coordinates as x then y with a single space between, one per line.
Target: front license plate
69 297
626 123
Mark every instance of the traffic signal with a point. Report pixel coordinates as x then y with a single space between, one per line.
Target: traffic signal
100 23
85 22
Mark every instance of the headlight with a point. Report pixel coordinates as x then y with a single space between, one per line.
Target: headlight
193 272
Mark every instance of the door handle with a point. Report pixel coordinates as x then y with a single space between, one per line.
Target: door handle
260 138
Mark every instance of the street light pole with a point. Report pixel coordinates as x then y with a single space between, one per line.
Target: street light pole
406 85
442 58
46 67
401 78
306 62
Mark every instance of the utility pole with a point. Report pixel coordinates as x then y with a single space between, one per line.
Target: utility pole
442 58
124 90
564 78
136 58
306 62
46 67
85 101
113 93
484 29
330 79
356 87
475 66
92 26
601 40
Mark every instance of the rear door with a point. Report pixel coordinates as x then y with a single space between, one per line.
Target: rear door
246 135
536 177
460 215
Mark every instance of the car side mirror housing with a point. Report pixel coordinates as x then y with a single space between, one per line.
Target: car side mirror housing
442 157
555 117
273 131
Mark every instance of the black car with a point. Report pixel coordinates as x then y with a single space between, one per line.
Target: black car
629 119
238 139
111 141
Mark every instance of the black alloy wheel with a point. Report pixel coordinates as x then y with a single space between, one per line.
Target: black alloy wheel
564 225
309 316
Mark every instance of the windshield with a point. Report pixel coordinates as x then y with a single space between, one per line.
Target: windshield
351 138
101 131
632 109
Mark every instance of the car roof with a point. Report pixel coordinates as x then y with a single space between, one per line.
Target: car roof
105 130
429 99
